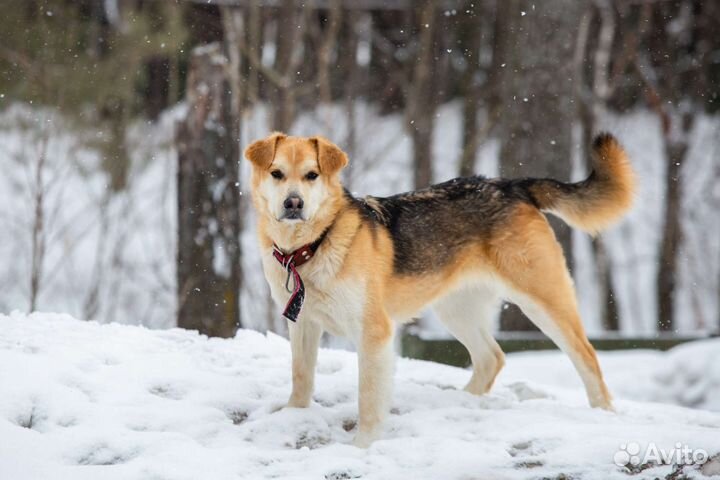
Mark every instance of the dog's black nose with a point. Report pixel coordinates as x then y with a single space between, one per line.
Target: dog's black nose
293 202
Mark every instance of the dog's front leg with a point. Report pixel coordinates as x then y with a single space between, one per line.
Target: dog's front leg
376 360
304 343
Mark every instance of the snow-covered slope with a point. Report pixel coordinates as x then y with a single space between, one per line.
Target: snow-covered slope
80 400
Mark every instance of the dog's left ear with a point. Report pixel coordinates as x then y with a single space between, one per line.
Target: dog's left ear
262 152
331 158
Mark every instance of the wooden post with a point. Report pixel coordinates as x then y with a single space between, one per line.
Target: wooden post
209 221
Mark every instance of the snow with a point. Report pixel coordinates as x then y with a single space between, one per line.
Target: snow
84 400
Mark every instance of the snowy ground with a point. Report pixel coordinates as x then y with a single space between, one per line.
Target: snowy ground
87 401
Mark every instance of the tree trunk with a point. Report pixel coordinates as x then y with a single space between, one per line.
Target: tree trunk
470 132
208 261
39 236
157 92
609 315
286 38
99 30
254 41
536 93
328 43
422 101
676 147
500 43
472 94
350 81
390 32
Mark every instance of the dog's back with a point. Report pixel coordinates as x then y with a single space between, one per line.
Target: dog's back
430 227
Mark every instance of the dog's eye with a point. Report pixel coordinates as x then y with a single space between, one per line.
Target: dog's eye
311 176
277 174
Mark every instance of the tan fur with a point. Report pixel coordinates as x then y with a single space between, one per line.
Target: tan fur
262 152
353 290
330 158
599 201
531 262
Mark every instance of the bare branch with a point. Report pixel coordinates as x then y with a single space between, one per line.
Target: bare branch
38 230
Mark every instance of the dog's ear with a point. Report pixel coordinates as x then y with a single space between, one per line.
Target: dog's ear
262 152
331 158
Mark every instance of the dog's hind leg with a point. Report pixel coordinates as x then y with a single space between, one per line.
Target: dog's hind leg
531 262
304 343
468 315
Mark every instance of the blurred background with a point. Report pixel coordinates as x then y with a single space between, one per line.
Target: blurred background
123 197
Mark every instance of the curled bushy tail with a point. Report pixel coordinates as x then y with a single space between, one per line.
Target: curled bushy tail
598 201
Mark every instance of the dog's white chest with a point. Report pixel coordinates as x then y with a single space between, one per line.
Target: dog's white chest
336 305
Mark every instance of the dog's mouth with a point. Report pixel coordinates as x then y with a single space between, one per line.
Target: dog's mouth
292 215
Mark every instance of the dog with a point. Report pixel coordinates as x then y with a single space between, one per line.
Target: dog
355 267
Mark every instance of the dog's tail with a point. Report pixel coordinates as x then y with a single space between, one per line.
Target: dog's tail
595 203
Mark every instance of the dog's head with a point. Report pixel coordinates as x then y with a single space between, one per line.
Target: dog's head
295 179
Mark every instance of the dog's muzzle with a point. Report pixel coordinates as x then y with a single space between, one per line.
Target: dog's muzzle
293 206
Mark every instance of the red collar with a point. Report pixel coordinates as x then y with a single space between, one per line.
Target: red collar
298 257
290 262
302 254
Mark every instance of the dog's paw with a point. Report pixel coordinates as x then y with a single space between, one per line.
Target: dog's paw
604 404
297 403
364 439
